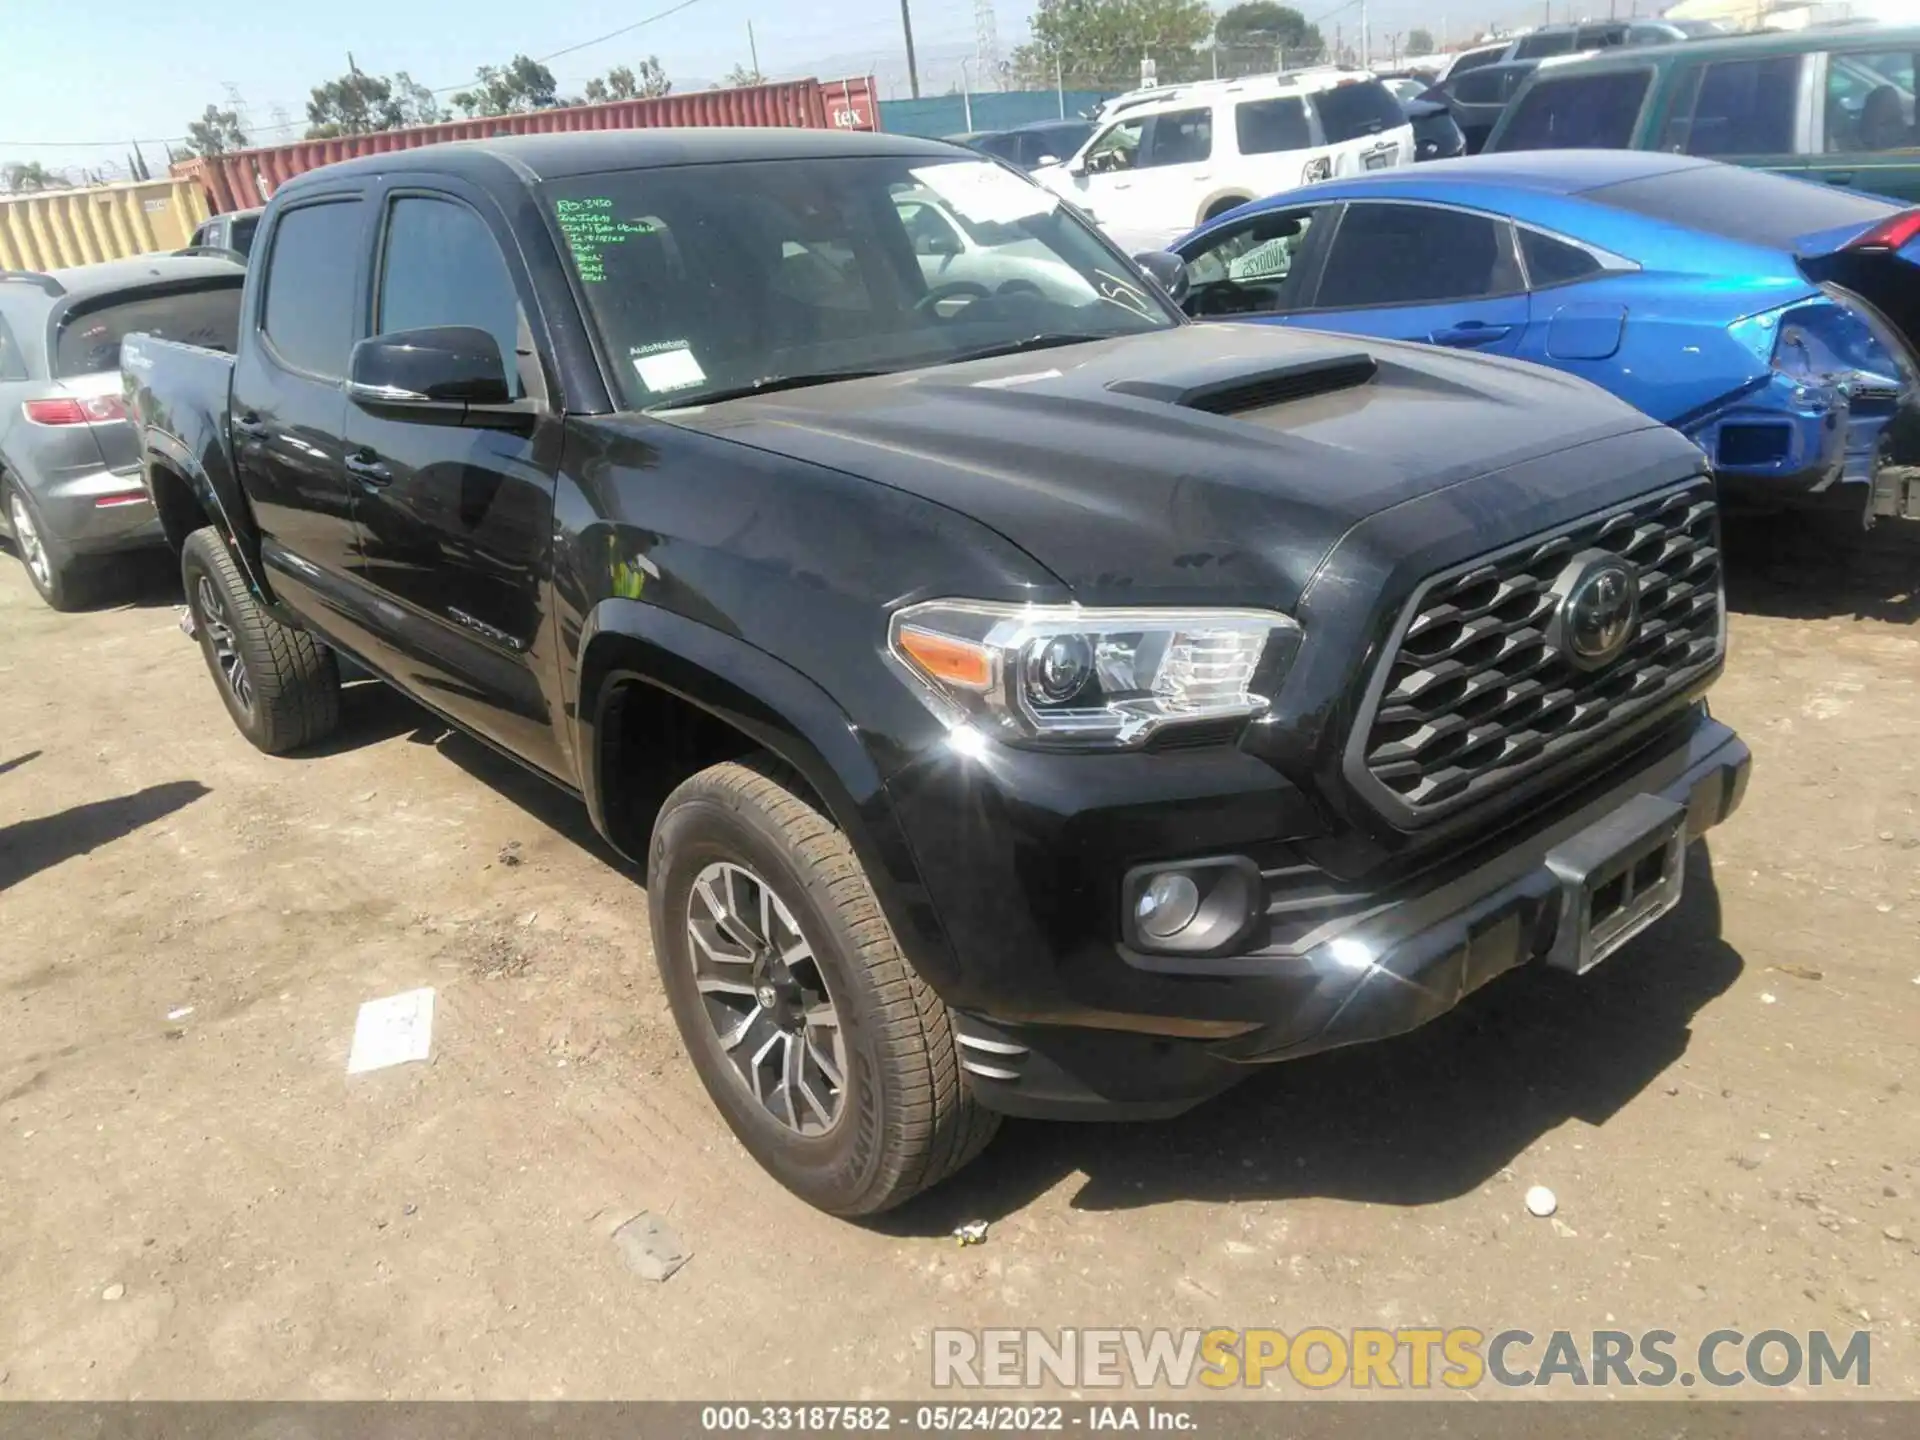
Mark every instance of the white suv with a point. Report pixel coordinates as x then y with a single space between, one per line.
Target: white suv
1162 161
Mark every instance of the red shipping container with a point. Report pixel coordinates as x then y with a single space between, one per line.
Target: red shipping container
248 178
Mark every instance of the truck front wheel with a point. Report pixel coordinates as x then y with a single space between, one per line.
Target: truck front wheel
281 686
827 1054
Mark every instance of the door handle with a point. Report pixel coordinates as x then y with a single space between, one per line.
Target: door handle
1469 332
365 467
251 426
1841 177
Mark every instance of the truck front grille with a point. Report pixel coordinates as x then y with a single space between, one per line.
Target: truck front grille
1474 695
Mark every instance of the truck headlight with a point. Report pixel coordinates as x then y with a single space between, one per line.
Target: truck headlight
1062 674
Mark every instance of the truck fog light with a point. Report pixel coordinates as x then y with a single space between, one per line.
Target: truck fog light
1167 905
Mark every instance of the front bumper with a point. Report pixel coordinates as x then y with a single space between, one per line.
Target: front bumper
1176 1030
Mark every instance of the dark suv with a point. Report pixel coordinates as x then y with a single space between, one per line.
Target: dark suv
1022 700
1830 105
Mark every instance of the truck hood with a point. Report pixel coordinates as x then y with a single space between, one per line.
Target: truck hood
1110 464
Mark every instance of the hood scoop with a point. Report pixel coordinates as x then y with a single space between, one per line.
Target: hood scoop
1230 394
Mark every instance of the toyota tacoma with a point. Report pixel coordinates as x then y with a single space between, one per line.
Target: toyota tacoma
1022 701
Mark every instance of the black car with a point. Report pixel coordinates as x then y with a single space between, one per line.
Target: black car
1046 142
1478 98
1021 700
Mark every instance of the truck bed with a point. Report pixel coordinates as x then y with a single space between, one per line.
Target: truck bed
176 397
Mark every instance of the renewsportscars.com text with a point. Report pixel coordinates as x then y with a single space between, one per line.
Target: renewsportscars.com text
1459 1358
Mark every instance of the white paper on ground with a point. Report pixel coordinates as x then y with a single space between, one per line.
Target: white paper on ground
392 1031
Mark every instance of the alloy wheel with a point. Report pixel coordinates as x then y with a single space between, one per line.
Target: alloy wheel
225 644
28 539
766 996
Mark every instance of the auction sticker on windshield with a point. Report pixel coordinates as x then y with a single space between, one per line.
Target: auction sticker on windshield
986 194
668 367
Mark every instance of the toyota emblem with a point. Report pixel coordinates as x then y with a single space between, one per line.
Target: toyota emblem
1596 611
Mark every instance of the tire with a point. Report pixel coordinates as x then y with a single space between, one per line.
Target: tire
56 576
902 1118
1221 207
281 686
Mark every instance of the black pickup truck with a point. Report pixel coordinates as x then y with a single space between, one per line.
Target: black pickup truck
1022 700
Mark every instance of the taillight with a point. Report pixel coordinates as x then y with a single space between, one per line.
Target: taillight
1893 233
76 410
1828 342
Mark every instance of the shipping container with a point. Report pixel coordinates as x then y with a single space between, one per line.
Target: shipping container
58 228
248 178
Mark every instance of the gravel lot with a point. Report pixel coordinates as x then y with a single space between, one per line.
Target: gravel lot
207 1206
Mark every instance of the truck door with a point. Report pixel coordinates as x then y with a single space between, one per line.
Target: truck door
289 396
456 521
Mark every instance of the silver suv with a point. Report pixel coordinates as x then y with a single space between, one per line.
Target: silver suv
70 491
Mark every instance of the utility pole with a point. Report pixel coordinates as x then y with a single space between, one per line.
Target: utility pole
906 29
1366 38
753 49
1059 85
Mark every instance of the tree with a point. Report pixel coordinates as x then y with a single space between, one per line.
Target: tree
1419 42
24 177
355 104
1104 41
741 75
1261 25
217 132
519 85
623 83
358 103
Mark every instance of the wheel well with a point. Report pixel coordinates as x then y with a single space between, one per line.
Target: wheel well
1222 205
650 740
181 512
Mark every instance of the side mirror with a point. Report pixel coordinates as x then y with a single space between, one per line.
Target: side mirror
1077 169
432 375
1168 271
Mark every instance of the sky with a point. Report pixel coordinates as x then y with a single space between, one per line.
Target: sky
74 95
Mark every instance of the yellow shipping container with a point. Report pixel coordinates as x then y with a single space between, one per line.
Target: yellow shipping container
59 228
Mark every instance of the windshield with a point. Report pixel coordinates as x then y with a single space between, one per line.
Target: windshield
207 315
711 280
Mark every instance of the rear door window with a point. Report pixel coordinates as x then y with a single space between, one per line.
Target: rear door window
1351 112
1270 127
1738 107
1869 102
1416 255
206 315
1595 37
312 274
1576 112
1182 137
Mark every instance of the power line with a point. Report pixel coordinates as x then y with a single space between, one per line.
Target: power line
441 90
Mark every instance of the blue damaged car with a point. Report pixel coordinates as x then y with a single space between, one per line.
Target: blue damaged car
1771 320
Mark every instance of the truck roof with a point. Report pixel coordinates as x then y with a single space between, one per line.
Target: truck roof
543 157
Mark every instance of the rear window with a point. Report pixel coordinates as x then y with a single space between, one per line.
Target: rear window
1746 205
240 236
206 315
1267 127
1476 59
1348 112
1482 87
1533 47
1576 112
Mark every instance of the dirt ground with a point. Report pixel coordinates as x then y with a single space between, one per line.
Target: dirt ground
207 1206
